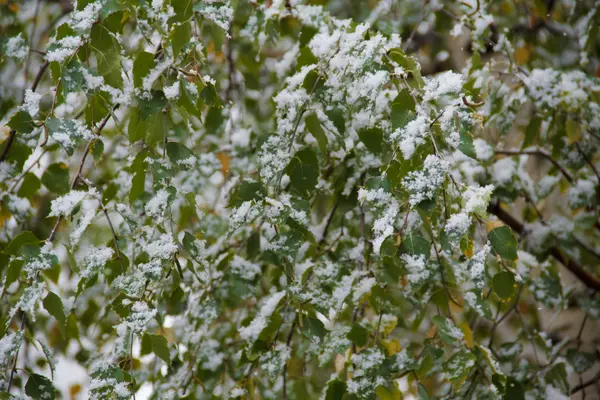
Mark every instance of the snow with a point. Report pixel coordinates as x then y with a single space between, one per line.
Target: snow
443 84
157 206
95 259
31 104
163 248
65 47
422 184
417 268
17 47
476 199
172 92
252 331
63 206
412 135
458 224
483 150
82 21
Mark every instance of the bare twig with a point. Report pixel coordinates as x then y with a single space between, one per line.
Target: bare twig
539 153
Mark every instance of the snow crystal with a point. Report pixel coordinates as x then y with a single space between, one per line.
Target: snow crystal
95 259
445 83
483 150
140 316
412 135
252 331
423 184
17 47
476 199
157 206
63 206
82 21
61 49
164 248
82 224
244 268
503 171
458 224
417 268
172 92
31 104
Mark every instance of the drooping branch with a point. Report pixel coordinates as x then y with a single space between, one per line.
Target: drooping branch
539 153
586 277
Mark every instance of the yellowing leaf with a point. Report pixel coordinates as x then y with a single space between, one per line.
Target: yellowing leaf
468 333
491 225
522 55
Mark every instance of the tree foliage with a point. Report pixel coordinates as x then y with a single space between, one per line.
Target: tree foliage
299 199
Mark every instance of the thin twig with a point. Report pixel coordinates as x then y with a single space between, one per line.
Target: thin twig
539 153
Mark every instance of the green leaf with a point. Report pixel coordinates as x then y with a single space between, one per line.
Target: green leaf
40 388
160 347
21 122
514 390
314 127
336 116
466 145
246 191
30 186
415 245
183 10
336 389
459 365
178 152
449 332
403 109
22 238
180 37
423 392
303 171
557 377
108 50
53 304
56 178
532 132
143 64
97 149
138 168
13 272
372 139
503 242
504 284
73 129
359 335
313 327
581 361
72 327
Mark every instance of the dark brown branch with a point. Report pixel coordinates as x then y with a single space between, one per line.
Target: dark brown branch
9 143
582 386
587 278
539 153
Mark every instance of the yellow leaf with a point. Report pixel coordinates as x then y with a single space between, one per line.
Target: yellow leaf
392 346
225 159
468 333
522 55
491 225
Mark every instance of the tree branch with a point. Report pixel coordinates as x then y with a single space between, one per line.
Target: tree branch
587 278
539 153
